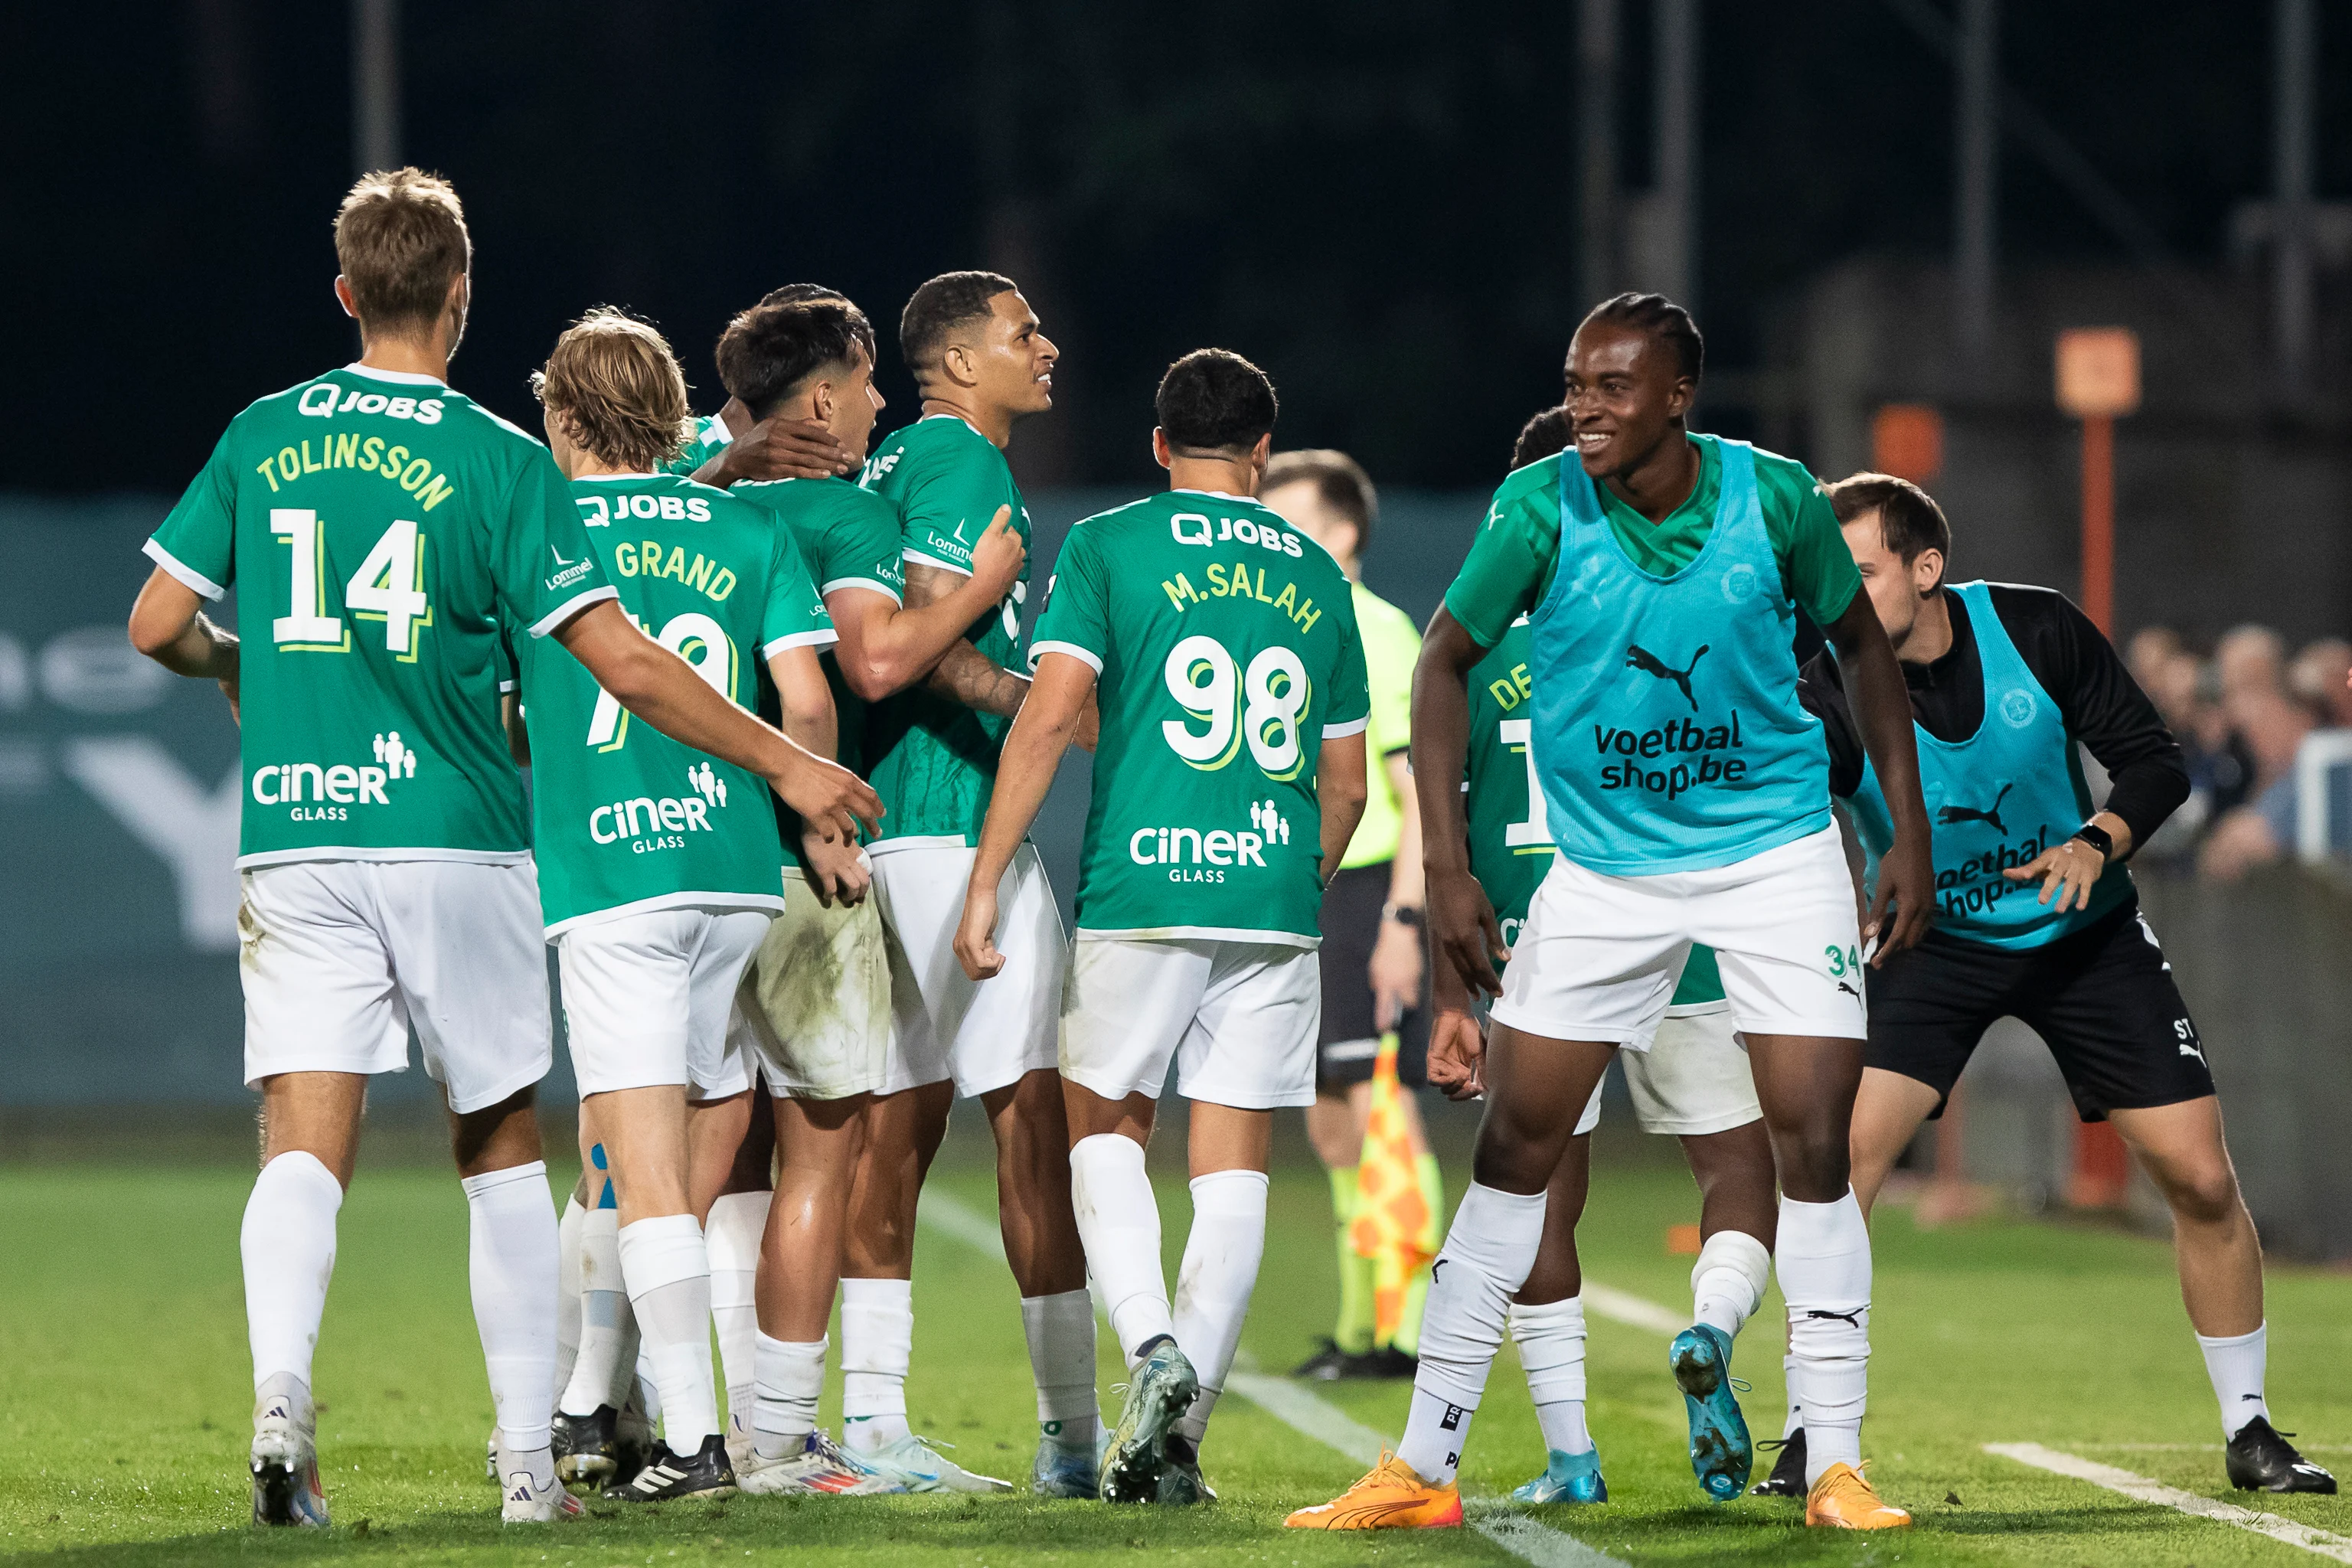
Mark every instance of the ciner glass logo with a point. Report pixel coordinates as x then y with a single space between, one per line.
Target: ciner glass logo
2017 708
1192 855
325 791
651 826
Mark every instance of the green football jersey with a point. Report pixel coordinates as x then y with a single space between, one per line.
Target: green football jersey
709 438
1226 647
379 528
849 537
627 819
1510 845
933 761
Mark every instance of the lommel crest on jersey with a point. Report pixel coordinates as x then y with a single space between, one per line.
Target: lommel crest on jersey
1226 647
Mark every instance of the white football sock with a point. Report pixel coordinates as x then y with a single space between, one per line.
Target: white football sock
733 1235
1222 1253
1550 1337
1487 1253
1060 1333
1118 1222
567 1289
288 1244
2236 1365
1794 1421
606 1365
877 1341
667 1265
510 1257
1825 1274
790 1380
1729 1279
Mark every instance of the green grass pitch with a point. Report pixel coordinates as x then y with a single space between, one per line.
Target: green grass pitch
124 1398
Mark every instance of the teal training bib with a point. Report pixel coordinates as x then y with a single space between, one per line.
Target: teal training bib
1997 800
1668 736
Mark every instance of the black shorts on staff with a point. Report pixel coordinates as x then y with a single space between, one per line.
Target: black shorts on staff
1349 1043
2102 999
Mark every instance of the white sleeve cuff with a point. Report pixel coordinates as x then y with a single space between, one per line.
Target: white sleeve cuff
917 556
1352 726
570 607
187 576
822 636
875 584
1086 656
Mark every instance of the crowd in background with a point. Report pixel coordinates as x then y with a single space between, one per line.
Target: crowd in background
2241 715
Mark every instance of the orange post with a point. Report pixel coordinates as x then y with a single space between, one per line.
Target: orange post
2098 381
2099 521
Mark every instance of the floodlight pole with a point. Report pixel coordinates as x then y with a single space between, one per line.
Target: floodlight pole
375 84
2099 521
1596 85
1675 27
1974 215
2294 101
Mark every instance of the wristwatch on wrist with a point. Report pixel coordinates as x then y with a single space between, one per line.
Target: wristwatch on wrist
1404 914
2099 838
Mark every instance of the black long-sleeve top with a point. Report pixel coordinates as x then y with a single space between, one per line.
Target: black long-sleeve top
2103 706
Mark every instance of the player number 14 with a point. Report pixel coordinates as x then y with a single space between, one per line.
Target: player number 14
389 586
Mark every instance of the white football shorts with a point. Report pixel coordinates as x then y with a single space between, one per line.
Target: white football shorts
1693 1081
1600 955
985 1034
815 1002
1238 1018
340 957
646 998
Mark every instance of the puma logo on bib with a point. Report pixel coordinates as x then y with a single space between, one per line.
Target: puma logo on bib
1948 815
1641 659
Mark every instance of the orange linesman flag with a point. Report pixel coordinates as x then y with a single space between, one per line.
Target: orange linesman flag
1391 1216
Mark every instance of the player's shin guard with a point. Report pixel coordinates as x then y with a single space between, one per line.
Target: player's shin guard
289 1245
667 1265
1486 1259
606 1366
1729 1279
732 1235
1061 1333
1825 1274
1550 1337
567 1289
877 1341
787 1386
1119 1221
1222 1255
512 1259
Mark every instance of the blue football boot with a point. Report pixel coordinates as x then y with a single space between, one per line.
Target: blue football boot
1721 1452
1160 1389
1567 1478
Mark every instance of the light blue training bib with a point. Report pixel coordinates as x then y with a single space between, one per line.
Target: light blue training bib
1667 733
1995 800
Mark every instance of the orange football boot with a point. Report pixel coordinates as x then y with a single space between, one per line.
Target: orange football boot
1841 1500
1391 1498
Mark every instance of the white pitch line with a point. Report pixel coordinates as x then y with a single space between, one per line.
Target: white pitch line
1538 1545
1635 1311
2336 1547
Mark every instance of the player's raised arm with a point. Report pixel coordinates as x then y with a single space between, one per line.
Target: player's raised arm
1462 925
1034 748
1881 708
886 651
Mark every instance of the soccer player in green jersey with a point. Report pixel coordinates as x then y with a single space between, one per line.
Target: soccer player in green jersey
824 1048
1686 790
656 862
382 529
737 444
981 362
1221 647
1693 1084
1373 976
